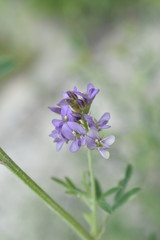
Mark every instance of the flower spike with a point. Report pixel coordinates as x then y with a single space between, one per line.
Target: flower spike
77 126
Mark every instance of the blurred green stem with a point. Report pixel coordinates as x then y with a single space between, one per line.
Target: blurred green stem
7 161
93 195
102 229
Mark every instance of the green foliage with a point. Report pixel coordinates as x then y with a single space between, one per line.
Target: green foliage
110 191
120 196
57 180
84 17
153 237
70 187
125 198
123 183
104 205
77 8
98 189
7 64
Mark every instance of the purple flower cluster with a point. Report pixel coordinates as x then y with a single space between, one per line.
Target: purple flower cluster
77 126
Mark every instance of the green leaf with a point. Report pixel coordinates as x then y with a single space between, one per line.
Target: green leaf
71 188
70 183
72 192
59 181
98 189
129 171
123 183
126 197
110 191
104 205
7 64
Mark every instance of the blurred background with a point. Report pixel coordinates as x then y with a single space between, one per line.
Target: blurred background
47 47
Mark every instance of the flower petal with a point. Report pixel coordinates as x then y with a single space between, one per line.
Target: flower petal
91 92
63 102
90 143
55 109
57 123
59 145
81 103
52 134
83 140
72 95
89 120
76 127
89 87
77 116
93 133
75 89
66 111
104 127
108 141
74 146
81 94
67 131
65 95
104 152
104 119
91 137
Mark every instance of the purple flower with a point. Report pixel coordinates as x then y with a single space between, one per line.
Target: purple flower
94 141
58 138
79 101
75 133
89 95
77 126
55 109
75 103
69 98
66 114
101 124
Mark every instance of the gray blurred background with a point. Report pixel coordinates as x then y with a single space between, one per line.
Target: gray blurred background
52 46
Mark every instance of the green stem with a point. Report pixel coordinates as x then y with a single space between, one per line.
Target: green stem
85 124
7 161
93 196
102 229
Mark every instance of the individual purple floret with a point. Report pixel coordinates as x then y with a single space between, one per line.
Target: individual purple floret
75 133
58 138
66 114
94 141
79 101
89 95
76 126
69 98
101 124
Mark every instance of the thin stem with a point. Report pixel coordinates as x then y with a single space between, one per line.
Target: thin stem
93 196
7 161
102 229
